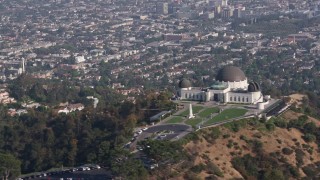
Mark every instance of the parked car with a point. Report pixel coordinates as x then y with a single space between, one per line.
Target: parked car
82 169
162 136
73 170
152 166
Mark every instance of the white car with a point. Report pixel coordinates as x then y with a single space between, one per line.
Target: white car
139 132
162 136
96 166
144 129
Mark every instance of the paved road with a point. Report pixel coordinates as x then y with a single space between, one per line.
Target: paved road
177 128
96 174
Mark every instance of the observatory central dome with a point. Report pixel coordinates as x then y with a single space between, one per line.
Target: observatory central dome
185 83
230 74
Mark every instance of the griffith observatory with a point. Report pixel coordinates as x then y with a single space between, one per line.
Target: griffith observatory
231 86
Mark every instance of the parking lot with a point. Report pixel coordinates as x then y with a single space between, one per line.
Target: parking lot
79 173
160 132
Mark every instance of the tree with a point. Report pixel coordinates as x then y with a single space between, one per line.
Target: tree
9 166
163 151
103 151
130 168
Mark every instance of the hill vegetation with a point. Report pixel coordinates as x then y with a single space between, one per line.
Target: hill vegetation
43 138
282 148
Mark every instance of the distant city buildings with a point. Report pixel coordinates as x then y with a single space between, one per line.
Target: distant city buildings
5 98
71 108
150 43
162 8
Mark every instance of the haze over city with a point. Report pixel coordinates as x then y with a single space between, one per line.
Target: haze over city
144 89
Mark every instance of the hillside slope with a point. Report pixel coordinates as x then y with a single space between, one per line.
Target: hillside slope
267 146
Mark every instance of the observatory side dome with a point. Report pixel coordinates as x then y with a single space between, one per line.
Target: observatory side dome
254 87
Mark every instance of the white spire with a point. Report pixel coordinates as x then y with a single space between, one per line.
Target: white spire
22 69
190 112
23 66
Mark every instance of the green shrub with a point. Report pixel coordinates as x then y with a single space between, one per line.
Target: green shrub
226 136
214 169
281 123
298 123
310 171
256 146
270 126
198 168
309 137
310 127
215 132
294 171
287 151
273 174
190 137
191 176
246 165
243 137
310 151
299 157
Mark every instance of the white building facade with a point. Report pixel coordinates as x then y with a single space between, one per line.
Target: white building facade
231 86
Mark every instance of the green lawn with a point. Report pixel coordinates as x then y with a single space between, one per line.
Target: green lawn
195 109
175 119
193 122
208 111
227 114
